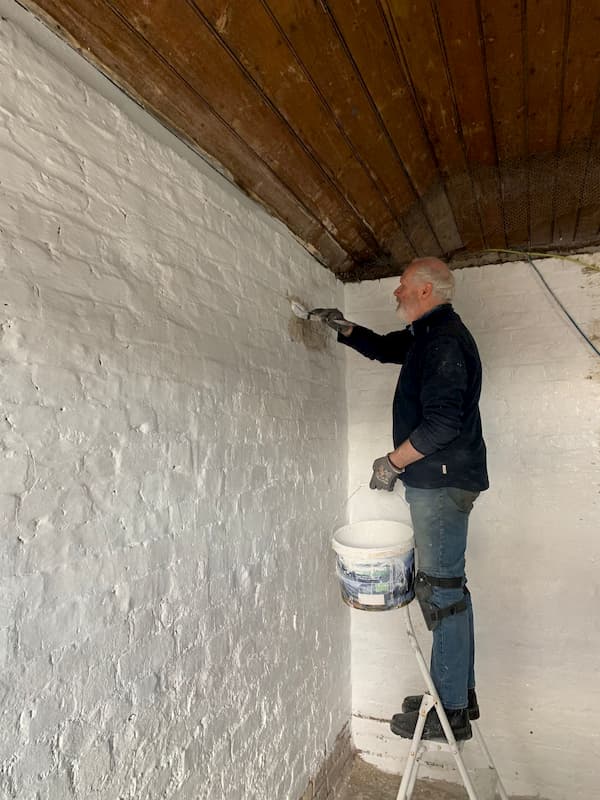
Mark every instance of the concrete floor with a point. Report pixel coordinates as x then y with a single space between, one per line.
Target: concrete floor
369 783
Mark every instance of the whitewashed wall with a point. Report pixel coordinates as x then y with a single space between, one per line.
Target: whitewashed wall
173 459
534 550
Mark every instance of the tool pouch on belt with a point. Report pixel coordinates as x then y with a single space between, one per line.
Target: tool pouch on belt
433 614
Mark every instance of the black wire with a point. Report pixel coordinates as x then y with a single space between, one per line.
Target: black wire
543 280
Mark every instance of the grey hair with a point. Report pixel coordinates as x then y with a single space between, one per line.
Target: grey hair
436 273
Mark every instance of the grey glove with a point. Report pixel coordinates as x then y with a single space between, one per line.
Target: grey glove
332 317
385 474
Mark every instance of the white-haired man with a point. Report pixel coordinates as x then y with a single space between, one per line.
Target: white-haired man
440 456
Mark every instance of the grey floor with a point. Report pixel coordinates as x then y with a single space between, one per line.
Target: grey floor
369 783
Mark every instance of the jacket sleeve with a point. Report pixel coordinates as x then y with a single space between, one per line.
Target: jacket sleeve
389 348
443 391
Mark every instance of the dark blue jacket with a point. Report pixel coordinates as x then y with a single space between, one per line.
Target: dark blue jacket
436 404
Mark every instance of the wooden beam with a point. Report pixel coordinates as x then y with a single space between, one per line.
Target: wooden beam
368 39
459 23
588 215
546 20
312 34
581 87
417 39
375 130
251 35
115 48
503 31
177 33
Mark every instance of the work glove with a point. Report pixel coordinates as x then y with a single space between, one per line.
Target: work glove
385 474
332 317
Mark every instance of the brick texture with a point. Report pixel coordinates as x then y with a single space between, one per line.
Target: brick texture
173 463
533 550
335 770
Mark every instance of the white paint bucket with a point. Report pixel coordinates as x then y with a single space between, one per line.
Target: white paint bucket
375 564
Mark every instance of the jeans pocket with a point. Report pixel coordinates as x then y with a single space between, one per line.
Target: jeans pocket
462 498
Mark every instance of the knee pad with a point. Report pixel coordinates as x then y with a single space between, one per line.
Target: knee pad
433 614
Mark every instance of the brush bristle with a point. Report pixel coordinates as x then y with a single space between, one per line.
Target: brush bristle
299 310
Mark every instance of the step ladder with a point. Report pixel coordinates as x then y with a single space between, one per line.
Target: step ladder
420 746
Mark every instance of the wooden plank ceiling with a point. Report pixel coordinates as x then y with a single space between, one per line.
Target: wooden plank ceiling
377 130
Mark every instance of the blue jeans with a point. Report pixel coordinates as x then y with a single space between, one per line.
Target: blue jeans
440 519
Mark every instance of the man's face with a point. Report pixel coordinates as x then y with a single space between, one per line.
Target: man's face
409 296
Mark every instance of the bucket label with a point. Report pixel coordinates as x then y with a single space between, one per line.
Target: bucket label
371 599
377 585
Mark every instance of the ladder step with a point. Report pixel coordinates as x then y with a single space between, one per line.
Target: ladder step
421 746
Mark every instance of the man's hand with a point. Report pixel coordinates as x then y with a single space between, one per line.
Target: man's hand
332 317
385 474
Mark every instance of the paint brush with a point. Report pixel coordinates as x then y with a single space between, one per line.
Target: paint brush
299 310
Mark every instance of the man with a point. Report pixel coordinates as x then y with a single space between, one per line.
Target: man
440 456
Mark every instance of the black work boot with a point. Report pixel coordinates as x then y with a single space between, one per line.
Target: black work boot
404 725
413 703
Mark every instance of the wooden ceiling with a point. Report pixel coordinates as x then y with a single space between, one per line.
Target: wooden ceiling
377 130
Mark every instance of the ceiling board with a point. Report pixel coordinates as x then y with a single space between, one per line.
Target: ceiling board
278 67
337 78
545 48
418 41
580 89
377 130
460 26
153 81
370 39
174 30
503 26
588 222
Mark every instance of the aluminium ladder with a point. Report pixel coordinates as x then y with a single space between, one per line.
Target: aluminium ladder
420 746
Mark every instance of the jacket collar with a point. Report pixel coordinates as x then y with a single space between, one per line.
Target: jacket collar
422 323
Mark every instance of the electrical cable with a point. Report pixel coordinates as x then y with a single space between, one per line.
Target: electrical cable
573 322
547 254
528 255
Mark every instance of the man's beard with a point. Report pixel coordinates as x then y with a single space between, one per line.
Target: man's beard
400 313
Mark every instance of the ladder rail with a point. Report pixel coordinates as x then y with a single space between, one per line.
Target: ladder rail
500 790
409 776
431 700
413 777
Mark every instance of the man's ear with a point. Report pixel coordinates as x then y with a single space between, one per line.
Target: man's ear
426 290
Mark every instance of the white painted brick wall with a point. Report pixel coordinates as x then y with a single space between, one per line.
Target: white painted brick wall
173 462
534 546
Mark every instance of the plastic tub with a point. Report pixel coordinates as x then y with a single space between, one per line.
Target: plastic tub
375 564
